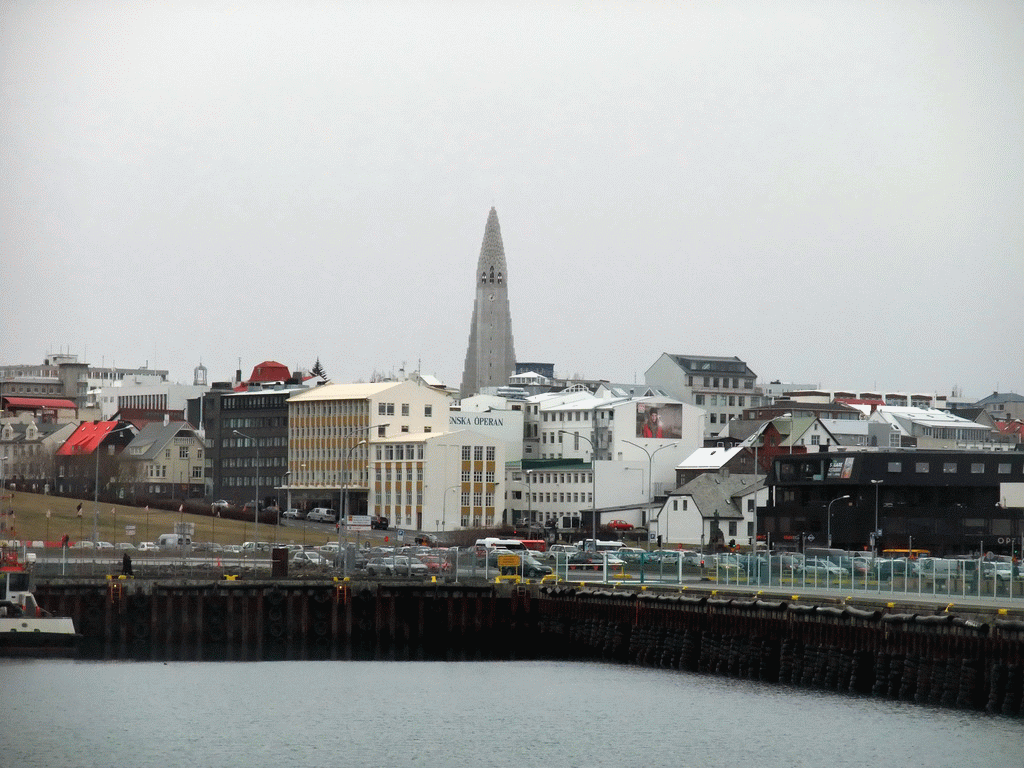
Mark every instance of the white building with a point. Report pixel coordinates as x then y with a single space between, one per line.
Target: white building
711 507
637 442
437 482
332 430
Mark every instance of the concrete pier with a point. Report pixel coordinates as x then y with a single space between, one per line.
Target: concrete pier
969 656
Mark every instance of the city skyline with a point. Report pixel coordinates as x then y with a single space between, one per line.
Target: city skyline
831 193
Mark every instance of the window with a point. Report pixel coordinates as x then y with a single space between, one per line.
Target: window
921 467
183 452
949 467
478 453
732 527
428 411
1004 469
714 418
977 468
815 439
895 466
405 409
490 453
466 452
197 472
698 399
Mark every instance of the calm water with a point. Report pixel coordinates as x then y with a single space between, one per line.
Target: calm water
519 714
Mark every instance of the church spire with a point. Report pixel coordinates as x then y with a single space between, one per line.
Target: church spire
490 356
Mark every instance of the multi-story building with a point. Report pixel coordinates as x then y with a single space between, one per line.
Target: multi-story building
721 386
247 441
332 430
166 461
614 430
436 482
951 502
62 375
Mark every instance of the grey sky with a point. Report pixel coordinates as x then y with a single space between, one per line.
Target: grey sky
831 191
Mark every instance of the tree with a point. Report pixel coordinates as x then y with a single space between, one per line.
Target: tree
318 370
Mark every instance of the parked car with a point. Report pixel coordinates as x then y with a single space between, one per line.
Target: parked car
379 523
529 566
126 546
294 514
820 567
322 515
1000 571
220 505
307 557
104 545
399 565
631 554
595 560
620 525
149 546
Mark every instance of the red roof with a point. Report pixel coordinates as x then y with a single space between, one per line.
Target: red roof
266 372
87 438
26 403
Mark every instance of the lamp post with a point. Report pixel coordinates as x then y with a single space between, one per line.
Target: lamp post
344 505
444 504
256 513
344 489
650 466
96 483
874 533
840 498
593 475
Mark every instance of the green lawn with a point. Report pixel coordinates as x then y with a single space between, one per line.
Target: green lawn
31 522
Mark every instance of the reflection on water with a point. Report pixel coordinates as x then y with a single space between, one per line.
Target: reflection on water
449 714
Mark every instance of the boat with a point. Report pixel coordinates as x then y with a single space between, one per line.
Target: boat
25 628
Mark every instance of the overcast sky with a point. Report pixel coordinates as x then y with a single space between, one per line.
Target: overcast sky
831 191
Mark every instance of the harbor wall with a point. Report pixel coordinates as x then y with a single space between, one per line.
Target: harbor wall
905 651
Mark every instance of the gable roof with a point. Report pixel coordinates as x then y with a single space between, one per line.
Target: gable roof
87 438
710 459
155 437
715 495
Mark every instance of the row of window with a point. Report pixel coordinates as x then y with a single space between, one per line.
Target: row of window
271 481
262 442
251 422
561 478
720 382
389 473
242 462
388 409
952 467
160 471
253 402
562 498
731 400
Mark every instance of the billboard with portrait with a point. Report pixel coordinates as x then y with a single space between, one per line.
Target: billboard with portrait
659 421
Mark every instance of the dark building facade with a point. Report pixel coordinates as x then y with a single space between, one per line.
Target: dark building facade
247 442
946 501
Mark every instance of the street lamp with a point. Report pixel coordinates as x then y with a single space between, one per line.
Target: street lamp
874 533
256 513
344 503
840 498
344 489
650 466
593 476
96 482
444 504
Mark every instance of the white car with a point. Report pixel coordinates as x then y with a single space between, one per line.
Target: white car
322 515
148 546
308 557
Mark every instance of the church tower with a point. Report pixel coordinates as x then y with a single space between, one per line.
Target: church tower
490 357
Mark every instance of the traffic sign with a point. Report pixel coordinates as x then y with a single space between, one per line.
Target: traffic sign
400 535
809 537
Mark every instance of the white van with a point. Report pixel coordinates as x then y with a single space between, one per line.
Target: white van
173 541
485 546
587 545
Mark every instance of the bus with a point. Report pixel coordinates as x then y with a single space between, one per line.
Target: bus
913 554
537 545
